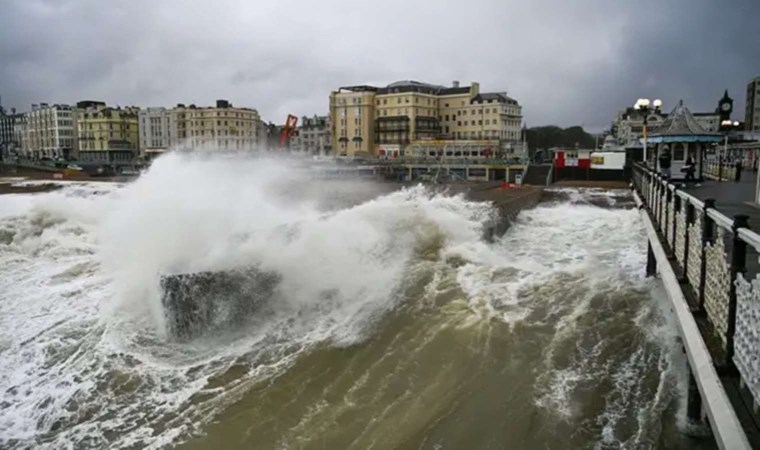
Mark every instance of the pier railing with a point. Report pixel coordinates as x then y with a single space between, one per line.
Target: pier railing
710 251
719 171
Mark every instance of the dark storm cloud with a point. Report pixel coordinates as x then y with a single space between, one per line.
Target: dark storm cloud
566 62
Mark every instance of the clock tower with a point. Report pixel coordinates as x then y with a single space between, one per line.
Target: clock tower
725 106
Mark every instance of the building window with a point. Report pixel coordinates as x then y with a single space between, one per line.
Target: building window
447 118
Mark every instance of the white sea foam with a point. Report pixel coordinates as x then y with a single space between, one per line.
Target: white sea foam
82 344
84 359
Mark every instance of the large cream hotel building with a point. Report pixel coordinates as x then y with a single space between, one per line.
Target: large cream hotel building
372 121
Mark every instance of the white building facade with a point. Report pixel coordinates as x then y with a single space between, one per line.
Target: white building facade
155 128
314 136
49 132
223 127
709 121
752 108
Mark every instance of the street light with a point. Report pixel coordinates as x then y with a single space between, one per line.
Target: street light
727 126
646 107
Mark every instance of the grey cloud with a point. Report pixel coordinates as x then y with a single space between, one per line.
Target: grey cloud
566 62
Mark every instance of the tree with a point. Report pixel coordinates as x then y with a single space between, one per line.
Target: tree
549 136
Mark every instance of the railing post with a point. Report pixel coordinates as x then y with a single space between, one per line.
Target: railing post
738 266
674 199
669 208
690 216
694 400
707 238
651 261
659 202
720 169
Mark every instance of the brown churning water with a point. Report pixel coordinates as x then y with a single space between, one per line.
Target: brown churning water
394 325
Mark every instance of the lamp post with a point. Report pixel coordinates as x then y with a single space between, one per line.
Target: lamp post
644 106
727 126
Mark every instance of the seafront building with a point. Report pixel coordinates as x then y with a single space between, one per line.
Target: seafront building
413 118
314 136
95 133
106 134
11 132
155 126
628 125
221 127
752 110
49 132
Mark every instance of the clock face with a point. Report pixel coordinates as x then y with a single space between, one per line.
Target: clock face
726 106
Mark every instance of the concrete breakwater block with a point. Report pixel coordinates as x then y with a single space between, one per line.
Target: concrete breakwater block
202 302
508 204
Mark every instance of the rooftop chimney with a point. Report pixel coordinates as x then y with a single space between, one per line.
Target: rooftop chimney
455 83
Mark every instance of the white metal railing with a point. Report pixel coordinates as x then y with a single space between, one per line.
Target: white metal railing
719 171
701 238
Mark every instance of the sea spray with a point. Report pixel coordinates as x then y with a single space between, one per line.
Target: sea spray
340 272
393 325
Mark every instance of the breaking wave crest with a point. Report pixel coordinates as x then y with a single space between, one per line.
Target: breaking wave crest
422 323
92 363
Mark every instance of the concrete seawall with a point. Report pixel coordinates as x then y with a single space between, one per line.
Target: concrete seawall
508 204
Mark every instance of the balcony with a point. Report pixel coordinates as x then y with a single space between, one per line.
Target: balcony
392 124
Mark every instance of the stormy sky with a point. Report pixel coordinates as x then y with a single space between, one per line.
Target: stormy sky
566 62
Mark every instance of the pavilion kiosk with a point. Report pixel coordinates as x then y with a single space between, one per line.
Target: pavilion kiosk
683 135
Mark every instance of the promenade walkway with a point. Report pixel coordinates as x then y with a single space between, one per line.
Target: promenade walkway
732 198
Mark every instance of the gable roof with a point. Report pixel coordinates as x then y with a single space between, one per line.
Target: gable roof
681 126
680 122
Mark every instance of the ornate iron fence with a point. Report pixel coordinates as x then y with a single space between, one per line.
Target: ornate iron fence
710 252
719 171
